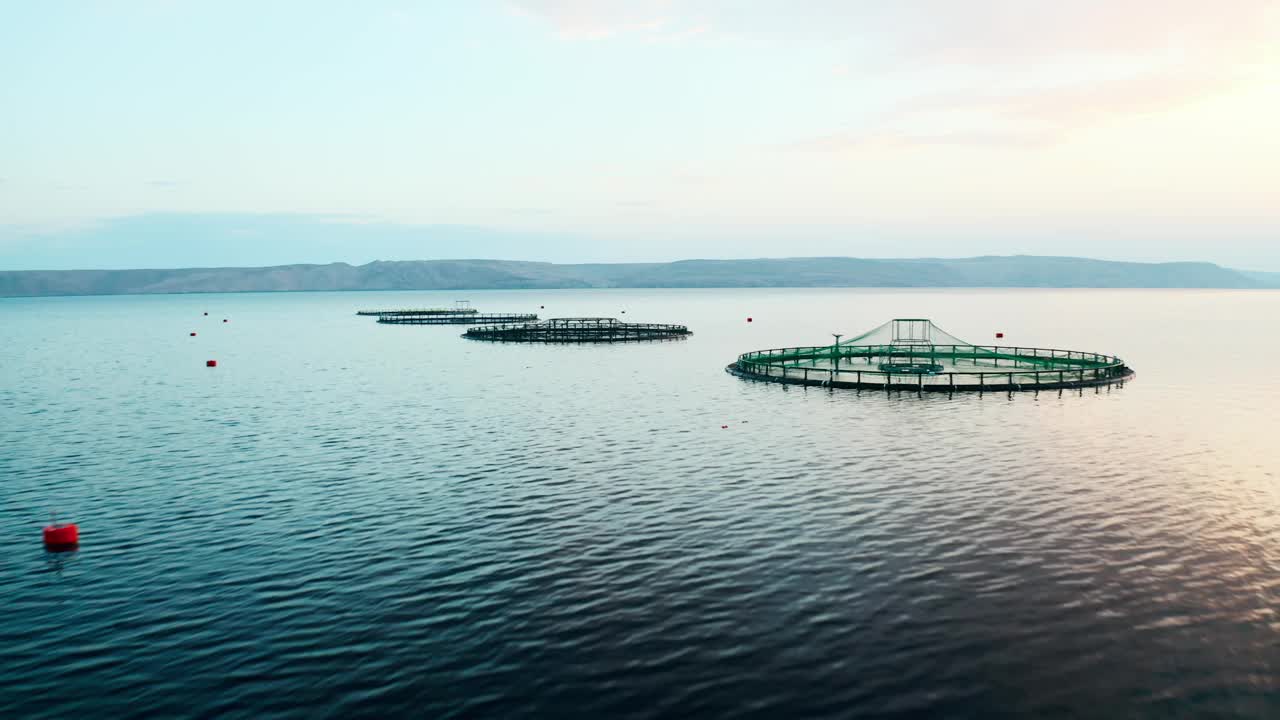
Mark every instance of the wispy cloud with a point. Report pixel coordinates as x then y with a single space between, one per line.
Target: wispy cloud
978 31
1015 31
1012 73
594 19
1001 72
890 138
653 21
1032 116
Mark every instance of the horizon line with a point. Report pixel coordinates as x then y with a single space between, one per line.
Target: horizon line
923 258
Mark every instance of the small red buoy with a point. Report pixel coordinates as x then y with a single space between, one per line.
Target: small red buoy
724 427
748 319
211 363
999 335
59 537
193 334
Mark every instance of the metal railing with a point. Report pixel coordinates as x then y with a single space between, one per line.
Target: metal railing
455 319
420 311
577 330
1025 368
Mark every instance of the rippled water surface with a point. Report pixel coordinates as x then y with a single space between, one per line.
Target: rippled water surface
346 519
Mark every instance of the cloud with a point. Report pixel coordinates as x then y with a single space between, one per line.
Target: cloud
1013 73
653 21
882 137
999 72
1033 116
1015 31
593 19
947 31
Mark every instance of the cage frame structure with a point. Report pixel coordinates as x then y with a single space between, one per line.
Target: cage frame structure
915 367
460 307
455 318
419 311
578 330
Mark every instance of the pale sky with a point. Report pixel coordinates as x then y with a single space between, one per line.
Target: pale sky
243 133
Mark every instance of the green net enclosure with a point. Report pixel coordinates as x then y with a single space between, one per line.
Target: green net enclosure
915 354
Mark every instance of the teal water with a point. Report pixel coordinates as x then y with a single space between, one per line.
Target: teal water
347 519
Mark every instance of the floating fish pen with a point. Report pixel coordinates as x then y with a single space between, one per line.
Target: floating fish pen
578 330
914 354
422 311
457 319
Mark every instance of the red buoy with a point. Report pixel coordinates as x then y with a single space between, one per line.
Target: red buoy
193 334
59 537
748 319
999 335
724 427
211 363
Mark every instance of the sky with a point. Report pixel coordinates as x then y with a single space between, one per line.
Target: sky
169 134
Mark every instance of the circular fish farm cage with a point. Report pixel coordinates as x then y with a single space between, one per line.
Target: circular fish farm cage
578 330
914 354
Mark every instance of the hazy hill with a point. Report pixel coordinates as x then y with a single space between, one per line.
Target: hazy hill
1266 279
1013 271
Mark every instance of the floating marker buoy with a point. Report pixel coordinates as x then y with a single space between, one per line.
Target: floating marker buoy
193 334
748 319
206 313
211 363
999 335
542 307
224 319
724 427
61 537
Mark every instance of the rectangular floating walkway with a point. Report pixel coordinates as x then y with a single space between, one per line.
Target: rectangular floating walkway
470 312
578 330
462 319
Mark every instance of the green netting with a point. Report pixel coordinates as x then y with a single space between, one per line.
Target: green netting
905 331
1031 358
916 350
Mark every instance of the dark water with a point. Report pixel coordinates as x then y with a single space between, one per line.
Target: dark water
345 519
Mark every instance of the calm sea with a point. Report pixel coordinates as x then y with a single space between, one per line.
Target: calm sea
346 519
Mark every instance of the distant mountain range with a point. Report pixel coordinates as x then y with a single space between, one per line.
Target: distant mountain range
989 271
